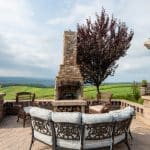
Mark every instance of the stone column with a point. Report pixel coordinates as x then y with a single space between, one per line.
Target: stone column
142 91
1 105
146 109
147 98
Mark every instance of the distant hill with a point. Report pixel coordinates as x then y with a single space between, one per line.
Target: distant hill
38 82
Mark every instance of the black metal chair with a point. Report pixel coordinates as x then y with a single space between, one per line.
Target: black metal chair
24 100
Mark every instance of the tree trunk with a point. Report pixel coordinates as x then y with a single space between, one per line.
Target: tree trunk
98 93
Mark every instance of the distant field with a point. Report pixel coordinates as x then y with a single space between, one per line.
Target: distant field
120 91
40 92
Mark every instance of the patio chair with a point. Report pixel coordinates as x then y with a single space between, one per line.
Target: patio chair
41 126
24 100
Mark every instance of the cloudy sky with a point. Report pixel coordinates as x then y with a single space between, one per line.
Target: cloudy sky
31 35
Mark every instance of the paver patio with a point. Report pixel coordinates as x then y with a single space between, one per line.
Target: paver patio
14 137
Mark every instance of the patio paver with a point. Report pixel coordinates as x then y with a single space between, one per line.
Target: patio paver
14 137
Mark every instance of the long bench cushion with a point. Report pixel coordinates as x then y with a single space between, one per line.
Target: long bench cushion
119 138
67 117
40 113
125 113
27 109
130 110
91 144
42 137
90 120
70 144
96 118
119 116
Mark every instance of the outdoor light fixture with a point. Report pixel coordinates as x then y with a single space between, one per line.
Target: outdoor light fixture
147 43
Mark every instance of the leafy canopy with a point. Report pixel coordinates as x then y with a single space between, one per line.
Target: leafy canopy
99 45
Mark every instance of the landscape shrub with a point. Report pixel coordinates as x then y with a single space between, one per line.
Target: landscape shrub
135 91
140 101
129 97
144 83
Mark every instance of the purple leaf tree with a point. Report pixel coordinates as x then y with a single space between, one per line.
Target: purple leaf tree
99 45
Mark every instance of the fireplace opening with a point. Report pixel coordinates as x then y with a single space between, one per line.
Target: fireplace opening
69 90
69 96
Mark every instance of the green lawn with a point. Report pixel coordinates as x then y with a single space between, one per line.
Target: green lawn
40 92
120 91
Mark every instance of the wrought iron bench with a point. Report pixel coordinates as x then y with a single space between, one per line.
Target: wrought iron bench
80 131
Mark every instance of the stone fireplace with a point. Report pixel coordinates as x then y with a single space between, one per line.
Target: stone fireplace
69 82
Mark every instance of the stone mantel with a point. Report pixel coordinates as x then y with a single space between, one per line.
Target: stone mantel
69 103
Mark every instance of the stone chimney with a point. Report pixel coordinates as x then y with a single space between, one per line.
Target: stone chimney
69 82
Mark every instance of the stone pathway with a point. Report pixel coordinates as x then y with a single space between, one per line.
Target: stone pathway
14 137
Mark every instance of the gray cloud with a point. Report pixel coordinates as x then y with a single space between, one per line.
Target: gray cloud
29 48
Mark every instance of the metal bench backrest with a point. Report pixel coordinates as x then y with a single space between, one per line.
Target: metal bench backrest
67 132
122 127
98 131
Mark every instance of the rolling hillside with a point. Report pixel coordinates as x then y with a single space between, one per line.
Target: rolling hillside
120 91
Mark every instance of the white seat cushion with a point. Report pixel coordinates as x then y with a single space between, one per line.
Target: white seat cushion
119 138
120 115
96 118
27 109
42 137
71 144
40 113
70 117
127 109
130 110
90 144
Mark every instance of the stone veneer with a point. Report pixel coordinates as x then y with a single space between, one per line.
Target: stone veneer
69 79
1 105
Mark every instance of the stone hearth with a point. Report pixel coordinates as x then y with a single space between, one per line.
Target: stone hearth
69 82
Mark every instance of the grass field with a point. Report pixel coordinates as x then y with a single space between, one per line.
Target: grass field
120 91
